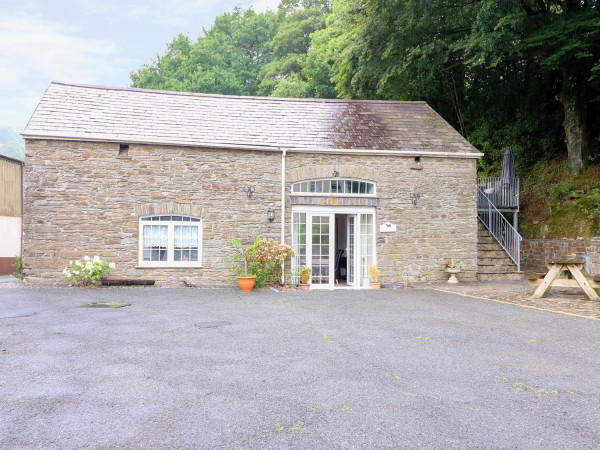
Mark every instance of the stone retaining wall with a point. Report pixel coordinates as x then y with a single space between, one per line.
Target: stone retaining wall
535 253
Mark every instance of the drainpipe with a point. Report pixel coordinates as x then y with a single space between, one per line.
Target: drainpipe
22 202
283 154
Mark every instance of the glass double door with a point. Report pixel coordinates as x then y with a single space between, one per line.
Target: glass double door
316 244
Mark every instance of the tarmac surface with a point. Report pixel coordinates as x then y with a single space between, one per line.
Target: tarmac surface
193 368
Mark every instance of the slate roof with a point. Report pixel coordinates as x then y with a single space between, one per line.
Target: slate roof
129 115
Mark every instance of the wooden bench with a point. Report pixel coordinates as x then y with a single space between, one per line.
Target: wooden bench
565 272
534 278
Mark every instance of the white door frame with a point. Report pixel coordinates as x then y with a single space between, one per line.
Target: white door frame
318 210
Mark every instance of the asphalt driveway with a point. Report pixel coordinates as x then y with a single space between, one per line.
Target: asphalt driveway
343 369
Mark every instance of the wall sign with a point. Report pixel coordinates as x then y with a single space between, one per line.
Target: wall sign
387 227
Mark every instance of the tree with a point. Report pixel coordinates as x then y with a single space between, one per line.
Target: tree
561 37
294 71
496 70
226 60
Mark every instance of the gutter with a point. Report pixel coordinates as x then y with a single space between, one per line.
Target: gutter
340 151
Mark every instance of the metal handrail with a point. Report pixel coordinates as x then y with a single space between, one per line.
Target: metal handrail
502 192
506 235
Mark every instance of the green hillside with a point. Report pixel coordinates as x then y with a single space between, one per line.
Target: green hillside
11 144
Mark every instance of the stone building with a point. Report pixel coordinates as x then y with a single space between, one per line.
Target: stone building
160 182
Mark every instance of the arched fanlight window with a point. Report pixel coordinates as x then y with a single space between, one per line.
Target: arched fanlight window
334 186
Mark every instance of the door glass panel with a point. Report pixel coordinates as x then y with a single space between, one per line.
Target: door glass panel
350 261
298 244
320 250
366 247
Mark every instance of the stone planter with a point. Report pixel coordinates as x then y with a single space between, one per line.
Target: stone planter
304 287
375 285
452 273
246 283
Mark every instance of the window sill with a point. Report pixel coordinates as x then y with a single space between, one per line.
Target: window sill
170 267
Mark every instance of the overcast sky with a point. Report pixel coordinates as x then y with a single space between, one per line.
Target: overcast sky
89 41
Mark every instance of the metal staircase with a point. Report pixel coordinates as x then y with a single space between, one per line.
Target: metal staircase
499 242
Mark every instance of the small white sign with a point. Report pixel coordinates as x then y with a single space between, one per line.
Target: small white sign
387 227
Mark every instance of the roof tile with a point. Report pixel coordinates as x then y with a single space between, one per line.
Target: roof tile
71 111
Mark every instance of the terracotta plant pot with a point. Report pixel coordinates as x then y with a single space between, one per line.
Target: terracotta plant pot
304 287
453 278
246 283
375 285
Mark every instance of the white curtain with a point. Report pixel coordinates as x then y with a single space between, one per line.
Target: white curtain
156 236
186 237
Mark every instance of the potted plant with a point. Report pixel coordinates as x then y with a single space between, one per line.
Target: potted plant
305 273
374 274
453 266
241 265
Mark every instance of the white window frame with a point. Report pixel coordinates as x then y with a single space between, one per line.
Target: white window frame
333 194
171 224
318 210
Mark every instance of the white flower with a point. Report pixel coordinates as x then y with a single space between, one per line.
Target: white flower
78 262
86 258
96 258
112 265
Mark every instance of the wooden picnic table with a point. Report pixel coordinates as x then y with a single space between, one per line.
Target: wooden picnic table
565 272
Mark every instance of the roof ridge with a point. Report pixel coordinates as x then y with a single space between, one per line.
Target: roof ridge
241 97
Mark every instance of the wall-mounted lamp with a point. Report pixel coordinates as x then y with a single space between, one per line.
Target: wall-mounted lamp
249 191
415 198
271 214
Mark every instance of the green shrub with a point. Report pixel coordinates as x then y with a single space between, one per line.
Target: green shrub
561 191
590 204
87 272
19 268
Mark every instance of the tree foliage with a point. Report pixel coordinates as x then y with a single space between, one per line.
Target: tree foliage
520 73
226 60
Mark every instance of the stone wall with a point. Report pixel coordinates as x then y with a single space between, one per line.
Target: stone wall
442 224
84 199
535 253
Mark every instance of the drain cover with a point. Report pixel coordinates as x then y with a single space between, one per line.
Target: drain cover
215 324
12 315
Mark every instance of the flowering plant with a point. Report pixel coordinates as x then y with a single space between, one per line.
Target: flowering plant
454 263
305 274
88 271
262 258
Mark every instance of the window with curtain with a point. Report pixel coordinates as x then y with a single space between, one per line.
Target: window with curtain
170 241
